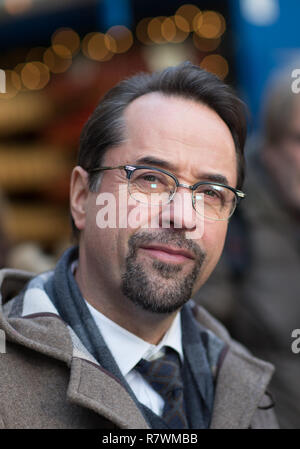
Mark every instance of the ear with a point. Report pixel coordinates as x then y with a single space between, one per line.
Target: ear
79 191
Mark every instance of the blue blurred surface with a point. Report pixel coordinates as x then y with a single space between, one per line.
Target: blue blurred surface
262 48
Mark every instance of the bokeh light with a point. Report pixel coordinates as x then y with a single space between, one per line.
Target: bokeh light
35 75
142 31
159 30
209 24
188 12
62 51
68 38
155 30
168 29
216 64
18 69
55 62
181 23
15 80
30 75
182 29
119 39
94 46
197 22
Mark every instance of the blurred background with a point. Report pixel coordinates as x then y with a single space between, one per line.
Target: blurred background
58 58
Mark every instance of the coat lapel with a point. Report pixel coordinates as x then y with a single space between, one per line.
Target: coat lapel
90 386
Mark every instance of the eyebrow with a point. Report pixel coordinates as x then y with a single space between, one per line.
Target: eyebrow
160 163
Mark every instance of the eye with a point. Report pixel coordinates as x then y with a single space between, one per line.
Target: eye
211 192
152 179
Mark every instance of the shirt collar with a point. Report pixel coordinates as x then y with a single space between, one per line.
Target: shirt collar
128 349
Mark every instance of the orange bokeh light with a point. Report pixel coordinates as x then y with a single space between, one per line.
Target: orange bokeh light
216 64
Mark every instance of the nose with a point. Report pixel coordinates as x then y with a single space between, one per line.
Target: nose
180 213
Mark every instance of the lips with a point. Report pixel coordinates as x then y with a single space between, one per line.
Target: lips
168 253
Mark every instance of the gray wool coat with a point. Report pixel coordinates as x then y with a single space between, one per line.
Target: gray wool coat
49 380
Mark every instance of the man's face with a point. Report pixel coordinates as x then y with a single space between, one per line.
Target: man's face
284 162
160 268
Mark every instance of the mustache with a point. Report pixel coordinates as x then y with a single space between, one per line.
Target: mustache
178 240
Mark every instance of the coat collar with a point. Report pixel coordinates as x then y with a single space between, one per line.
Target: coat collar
241 381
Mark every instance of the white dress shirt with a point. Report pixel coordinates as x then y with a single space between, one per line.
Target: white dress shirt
128 349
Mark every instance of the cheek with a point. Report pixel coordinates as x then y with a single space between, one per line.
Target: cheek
133 215
100 229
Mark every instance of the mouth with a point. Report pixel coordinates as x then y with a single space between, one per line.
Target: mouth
167 253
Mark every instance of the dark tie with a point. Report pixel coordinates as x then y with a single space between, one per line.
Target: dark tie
164 375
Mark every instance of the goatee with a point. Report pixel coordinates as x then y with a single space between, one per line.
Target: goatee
160 289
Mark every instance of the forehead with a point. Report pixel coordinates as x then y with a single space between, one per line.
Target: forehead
186 132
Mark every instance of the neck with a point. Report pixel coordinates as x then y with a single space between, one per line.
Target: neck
149 326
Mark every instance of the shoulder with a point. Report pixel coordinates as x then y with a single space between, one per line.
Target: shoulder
242 399
216 327
12 283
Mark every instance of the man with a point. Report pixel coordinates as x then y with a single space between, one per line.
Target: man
263 301
109 339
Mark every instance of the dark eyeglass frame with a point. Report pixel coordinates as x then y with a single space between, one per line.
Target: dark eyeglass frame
130 169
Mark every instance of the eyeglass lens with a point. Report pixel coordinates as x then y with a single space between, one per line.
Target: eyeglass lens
154 187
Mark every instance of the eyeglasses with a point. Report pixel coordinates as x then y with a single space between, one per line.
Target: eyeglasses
156 186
